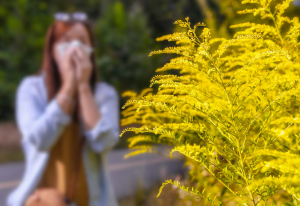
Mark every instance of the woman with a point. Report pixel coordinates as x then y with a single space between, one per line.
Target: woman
68 122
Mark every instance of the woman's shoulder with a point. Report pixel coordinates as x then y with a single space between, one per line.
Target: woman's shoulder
31 82
105 90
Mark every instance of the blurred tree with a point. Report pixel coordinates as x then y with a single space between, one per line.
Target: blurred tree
123 43
162 14
22 38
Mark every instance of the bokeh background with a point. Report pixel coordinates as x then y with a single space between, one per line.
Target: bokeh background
125 33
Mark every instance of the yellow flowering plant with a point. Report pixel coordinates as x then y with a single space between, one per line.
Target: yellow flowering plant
232 110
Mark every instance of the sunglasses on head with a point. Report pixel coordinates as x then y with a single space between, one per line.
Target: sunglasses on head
77 16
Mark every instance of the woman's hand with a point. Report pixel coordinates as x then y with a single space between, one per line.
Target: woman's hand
68 73
83 66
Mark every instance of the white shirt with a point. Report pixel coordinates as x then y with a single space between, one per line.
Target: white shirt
41 123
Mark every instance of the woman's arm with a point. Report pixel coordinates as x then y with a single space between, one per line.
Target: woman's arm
40 123
100 118
68 90
90 113
65 99
105 132
88 107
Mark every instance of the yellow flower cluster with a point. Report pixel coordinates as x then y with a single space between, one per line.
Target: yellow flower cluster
232 110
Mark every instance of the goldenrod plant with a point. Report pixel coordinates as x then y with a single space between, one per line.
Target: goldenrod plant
232 109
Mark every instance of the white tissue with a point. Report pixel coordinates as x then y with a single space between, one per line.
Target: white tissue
64 46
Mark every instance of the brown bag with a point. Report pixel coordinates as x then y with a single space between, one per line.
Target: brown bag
51 196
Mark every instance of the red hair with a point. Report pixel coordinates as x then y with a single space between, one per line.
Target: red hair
52 77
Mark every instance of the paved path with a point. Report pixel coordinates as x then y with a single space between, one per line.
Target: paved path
127 175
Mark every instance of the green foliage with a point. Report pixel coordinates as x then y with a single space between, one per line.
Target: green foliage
233 110
123 42
18 41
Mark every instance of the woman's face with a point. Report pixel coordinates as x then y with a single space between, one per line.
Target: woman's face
76 32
